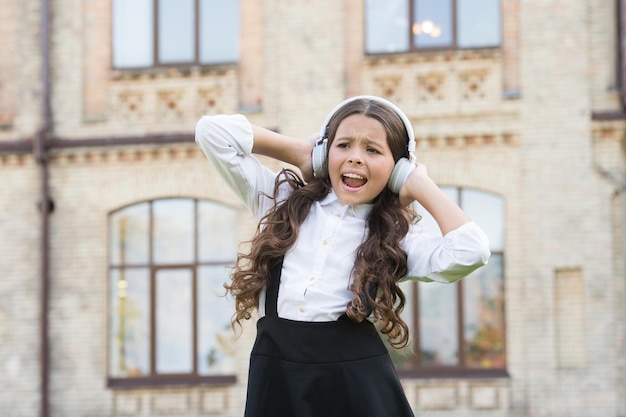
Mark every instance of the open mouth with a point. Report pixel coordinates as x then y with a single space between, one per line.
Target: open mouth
353 180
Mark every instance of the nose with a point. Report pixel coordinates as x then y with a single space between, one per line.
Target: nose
355 157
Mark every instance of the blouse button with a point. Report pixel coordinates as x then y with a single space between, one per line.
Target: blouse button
301 309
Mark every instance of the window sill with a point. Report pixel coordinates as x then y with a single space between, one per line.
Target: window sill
435 54
453 373
170 71
173 380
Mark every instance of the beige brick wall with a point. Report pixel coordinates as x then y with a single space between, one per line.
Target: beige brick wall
20 67
560 174
19 285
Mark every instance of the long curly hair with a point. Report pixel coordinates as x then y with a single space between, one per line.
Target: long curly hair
379 260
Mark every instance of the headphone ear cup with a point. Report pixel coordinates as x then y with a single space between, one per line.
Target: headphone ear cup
318 160
400 174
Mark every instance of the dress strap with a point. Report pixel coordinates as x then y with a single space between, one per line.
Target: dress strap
271 296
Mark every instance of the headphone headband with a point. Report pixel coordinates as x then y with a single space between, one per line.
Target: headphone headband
405 120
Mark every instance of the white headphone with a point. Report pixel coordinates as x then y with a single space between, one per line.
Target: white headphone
403 168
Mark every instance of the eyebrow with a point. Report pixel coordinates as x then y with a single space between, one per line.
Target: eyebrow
367 141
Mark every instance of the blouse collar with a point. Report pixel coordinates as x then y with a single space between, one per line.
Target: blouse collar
360 211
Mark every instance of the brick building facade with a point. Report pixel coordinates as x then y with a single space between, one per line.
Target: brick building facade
537 120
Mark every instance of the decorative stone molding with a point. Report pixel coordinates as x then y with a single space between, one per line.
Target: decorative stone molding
444 84
177 152
508 139
16 160
430 87
472 85
172 98
609 130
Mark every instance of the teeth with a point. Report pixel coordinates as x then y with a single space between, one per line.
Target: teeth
355 176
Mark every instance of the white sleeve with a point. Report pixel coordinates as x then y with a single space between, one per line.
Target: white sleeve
445 259
227 141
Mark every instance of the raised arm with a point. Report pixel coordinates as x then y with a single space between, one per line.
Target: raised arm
419 186
284 148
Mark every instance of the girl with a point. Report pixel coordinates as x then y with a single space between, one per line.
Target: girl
329 253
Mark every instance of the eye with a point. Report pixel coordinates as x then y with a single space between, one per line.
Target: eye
342 145
372 150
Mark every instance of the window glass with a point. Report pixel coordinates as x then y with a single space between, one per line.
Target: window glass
483 305
173 231
386 26
432 23
132 31
216 240
176 31
129 322
487 210
438 336
219 31
129 235
405 357
216 350
478 23
174 319
406 25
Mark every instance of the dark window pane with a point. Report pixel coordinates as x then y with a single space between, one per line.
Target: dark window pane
216 340
129 322
438 336
478 23
219 31
129 235
483 294
133 28
432 23
217 234
173 231
174 320
176 31
386 26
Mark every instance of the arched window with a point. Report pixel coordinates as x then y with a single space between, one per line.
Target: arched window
460 328
168 319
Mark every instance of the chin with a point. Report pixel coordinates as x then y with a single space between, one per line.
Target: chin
352 200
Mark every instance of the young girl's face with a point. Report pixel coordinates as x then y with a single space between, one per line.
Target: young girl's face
359 160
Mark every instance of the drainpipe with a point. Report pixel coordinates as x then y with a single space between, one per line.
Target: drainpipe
40 153
620 53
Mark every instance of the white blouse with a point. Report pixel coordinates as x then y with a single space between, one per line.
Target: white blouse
317 270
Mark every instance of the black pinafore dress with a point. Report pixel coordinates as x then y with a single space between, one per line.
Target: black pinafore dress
320 369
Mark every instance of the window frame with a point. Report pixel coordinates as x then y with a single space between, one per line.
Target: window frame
413 48
413 369
154 379
156 61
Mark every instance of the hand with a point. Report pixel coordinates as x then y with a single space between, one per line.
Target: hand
411 188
